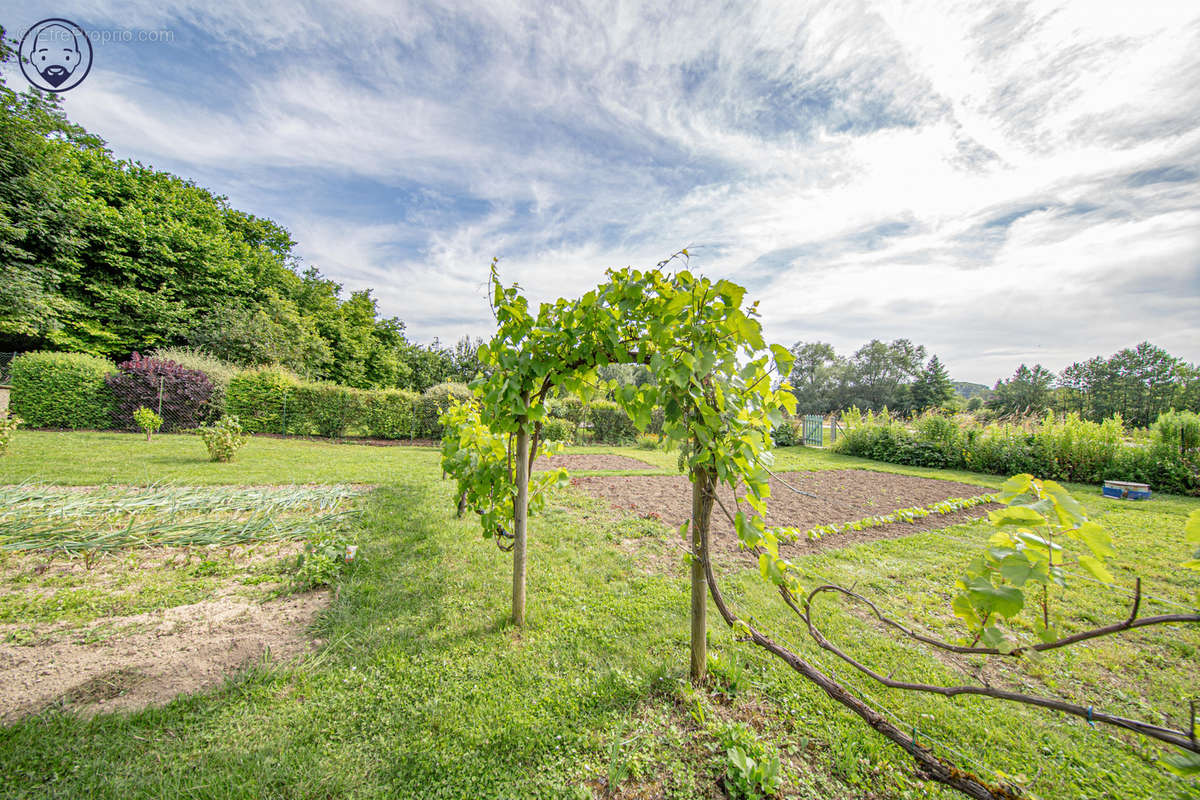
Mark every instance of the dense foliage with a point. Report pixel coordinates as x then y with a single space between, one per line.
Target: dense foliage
8 424
107 257
1069 448
62 390
1139 383
181 396
879 374
223 438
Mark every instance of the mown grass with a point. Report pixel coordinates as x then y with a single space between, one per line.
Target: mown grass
424 690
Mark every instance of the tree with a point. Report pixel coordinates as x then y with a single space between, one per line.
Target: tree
719 404
879 370
1026 392
817 378
932 388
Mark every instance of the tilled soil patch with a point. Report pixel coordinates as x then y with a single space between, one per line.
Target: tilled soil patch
582 461
841 496
162 654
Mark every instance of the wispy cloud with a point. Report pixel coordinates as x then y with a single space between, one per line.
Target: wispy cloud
1001 182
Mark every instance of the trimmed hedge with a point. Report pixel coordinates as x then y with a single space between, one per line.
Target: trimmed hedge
432 403
259 399
610 423
62 390
325 409
390 413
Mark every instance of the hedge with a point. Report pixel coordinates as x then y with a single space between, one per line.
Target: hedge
390 413
610 423
61 390
431 404
325 409
259 399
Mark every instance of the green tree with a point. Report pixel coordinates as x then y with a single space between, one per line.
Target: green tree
932 388
879 370
818 377
1026 392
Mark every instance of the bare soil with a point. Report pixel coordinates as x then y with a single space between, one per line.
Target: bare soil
582 461
841 496
153 657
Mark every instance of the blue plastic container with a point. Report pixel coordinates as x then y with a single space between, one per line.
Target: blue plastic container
1124 490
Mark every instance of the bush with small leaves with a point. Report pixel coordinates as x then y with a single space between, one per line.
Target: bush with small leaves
223 438
326 556
8 424
147 420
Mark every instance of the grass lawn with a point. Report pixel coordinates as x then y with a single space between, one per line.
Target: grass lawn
424 690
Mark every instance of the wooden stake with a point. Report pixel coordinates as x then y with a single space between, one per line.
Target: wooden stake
701 516
520 518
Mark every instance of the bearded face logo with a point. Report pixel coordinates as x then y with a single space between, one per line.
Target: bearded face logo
56 55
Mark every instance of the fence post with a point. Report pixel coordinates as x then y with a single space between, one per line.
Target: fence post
160 394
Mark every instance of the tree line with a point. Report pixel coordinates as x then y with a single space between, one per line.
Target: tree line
894 375
110 257
1138 383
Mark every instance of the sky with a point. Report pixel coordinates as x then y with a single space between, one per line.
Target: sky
1001 182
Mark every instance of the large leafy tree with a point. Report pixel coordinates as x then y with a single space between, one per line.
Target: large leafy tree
1026 392
108 257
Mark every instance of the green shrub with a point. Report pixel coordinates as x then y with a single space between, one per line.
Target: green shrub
1179 430
148 421
326 556
390 413
610 423
326 409
1068 449
8 424
789 433
557 430
260 397
570 408
62 390
647 441
432 403
223 438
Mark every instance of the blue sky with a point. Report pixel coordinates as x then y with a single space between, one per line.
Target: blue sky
1002 182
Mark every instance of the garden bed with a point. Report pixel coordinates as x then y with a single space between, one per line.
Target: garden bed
841 496
139 660
585 461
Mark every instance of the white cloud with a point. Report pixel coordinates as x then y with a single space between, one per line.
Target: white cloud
779 134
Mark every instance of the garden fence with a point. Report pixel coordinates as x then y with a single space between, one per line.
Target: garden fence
6 360
158 395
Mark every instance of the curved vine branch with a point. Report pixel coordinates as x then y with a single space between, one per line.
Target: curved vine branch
1169 735
929 766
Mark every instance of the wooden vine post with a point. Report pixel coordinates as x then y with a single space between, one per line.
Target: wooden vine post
701 517
520 521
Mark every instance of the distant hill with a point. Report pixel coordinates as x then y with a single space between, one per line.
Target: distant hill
967 390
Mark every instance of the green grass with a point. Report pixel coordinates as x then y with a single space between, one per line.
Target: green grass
424 690
77 459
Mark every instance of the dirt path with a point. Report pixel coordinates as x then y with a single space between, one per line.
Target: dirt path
583 461
841 496
147 659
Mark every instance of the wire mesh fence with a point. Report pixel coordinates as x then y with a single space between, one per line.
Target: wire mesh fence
173 405
6 360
